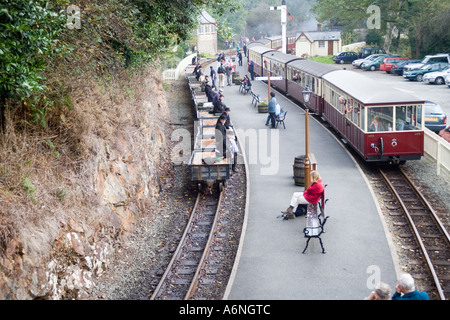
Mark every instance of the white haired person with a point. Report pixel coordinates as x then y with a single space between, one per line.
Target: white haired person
311 195
406 290
382 291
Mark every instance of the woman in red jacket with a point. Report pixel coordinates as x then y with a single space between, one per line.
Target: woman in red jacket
311 195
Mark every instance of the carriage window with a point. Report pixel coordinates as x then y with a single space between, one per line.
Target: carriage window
362 114
380 119
408 117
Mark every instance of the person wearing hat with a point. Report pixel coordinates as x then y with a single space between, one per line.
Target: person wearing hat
226 113
205 82
219 106
211 94
217 96
221 136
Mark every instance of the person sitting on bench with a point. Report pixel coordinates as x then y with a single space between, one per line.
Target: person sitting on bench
312 194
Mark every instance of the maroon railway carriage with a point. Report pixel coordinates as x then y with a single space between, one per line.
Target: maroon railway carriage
276 62
379 122
255 53
307 73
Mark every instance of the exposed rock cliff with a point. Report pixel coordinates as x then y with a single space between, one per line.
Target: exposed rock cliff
109 179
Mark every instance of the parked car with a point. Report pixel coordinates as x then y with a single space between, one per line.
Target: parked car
435 118
345 57
398 67
357 63
374 64
437 77
447 80
367 51
445 133
417 74
441 57
387 64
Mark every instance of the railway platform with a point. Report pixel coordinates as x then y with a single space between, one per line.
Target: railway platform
270 264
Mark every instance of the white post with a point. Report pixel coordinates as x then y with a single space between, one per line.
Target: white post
283 27
283 10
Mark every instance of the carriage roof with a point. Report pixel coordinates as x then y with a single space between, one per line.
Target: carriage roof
312 67
369 91
281 57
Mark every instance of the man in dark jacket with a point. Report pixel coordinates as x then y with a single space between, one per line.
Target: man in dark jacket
221 136
219 106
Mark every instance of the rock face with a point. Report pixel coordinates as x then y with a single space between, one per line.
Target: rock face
124 182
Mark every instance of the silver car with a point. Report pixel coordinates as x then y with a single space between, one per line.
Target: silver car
357 63
437 77
447 80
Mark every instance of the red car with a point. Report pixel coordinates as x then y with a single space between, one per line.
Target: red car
389 62
445 134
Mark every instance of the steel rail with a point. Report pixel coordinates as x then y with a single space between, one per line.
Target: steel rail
194 282
416 233
434 215
178 250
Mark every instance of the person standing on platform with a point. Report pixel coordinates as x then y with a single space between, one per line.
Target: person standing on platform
239 54
213 76
221 72
251 69
272 109
221 137
406 289
229 71
311 195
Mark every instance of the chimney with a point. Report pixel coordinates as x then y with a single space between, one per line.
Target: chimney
319 27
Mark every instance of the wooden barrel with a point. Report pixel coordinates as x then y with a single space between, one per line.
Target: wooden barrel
299 170
263 108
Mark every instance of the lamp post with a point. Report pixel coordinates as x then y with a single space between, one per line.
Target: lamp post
306 97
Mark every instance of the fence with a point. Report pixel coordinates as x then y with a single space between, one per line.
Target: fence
175 74
438 149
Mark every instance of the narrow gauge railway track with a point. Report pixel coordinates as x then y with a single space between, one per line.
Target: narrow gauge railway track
430 235
182 274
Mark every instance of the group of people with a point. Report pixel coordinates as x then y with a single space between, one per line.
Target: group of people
404 290
225 68
225 138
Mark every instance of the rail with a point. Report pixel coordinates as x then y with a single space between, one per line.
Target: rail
438 149
179 280
404 190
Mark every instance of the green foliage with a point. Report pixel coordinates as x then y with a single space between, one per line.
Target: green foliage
28 33
425 22
374 38
114 35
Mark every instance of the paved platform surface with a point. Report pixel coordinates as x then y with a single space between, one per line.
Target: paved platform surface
271 265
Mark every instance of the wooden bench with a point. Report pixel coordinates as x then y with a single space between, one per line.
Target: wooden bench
315 222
